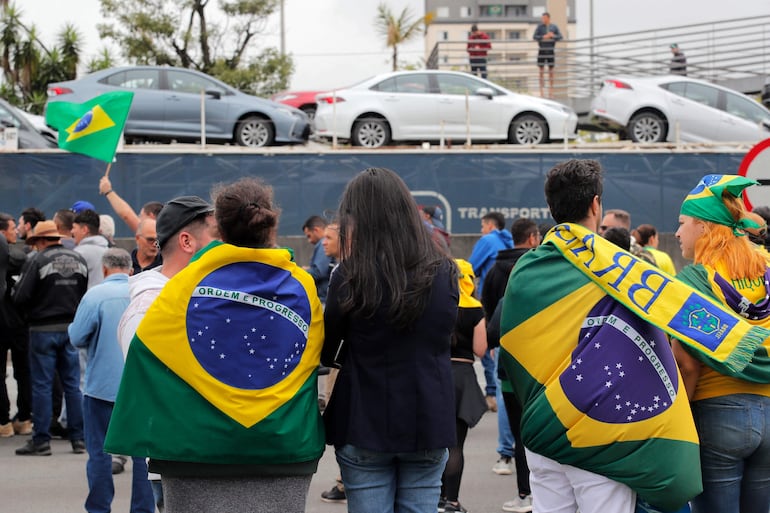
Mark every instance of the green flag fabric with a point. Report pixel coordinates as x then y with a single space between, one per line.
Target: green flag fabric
599 387
92 128
223 368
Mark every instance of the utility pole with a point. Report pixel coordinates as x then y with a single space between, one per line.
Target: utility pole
283 31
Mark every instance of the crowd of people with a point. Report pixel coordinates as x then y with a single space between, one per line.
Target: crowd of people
620 383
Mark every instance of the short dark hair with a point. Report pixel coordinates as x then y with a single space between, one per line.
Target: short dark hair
65 217
497 218
570 188
522 229
5 219
618 236
474 27
544 228
90 219
32 216
314 222
152 208
547 14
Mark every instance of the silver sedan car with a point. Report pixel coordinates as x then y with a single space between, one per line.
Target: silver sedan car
671 108
167 106
431 105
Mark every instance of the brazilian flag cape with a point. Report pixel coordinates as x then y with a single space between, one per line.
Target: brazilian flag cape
584 346
223 367
712 284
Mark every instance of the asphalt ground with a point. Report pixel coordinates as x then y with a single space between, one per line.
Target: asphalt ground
57 483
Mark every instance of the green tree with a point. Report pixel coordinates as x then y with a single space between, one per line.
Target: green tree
398 30
190 34
27 64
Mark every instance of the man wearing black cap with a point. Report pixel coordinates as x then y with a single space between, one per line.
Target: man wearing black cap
184 226
49 290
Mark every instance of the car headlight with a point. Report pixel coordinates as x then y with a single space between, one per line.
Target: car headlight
560 108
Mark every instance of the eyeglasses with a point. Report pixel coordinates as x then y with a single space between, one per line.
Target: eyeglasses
150 240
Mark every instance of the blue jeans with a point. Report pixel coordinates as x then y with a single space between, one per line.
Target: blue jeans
734 433
101 489
407 482
505 439
488 363
50 351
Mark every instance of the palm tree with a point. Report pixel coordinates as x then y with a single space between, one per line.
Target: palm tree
399 29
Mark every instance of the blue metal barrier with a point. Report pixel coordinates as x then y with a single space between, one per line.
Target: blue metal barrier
467 184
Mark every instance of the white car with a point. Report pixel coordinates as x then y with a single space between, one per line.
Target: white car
655 109
431 105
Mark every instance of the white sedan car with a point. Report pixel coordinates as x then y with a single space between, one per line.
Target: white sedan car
431 105
654 109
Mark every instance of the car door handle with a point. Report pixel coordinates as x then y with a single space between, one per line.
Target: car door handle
677 101
447 101
173 97
391 98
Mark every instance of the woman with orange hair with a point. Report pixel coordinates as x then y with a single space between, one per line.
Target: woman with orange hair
731 409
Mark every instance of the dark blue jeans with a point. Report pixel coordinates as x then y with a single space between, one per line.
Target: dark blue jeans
51 351
391 482
101 489
734 433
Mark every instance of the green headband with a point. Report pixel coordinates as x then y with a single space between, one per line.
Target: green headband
705 201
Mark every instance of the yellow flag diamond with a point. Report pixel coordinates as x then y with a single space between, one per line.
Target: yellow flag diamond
95 120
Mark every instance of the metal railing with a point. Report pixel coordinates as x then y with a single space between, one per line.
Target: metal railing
733 52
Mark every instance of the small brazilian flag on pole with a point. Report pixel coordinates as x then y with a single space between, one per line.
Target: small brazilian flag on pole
92 128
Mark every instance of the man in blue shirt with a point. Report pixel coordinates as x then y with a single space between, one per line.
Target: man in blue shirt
95 328
319 268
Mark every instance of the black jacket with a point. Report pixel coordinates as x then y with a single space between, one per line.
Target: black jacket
497 278
51 286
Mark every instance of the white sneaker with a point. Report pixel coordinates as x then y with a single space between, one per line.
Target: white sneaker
519 505
503 467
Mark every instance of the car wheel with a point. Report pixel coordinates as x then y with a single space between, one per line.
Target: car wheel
647 127
528 129
255 132
371 133
309 110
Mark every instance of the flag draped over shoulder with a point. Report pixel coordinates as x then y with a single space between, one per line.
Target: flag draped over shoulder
93 128
599 387
709 282
223 368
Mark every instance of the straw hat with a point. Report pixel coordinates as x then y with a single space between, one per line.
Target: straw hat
44 230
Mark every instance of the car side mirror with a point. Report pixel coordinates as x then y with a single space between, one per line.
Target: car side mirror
487 92
214 94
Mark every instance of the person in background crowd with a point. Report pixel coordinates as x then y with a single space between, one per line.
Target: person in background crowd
95 329
731 409
146 255
150 209
546 35
468 340
63 219
477 47
678 64
647 237
319 267
389 331
526 236
433 218
107 229
48 291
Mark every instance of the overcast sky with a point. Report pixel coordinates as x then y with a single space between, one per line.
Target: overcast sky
334 42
